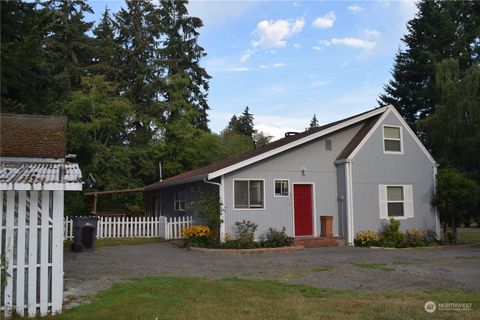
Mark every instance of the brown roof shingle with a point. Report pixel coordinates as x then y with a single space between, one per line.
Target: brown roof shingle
199 173
367 126
32 136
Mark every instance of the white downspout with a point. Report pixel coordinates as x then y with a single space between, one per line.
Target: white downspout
221 192
437 217
349 203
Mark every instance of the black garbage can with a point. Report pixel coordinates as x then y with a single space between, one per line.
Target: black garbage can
84 233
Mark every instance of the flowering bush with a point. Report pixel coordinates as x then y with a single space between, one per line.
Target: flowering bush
198 236
367 238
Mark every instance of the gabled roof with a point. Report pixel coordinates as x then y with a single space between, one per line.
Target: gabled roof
32 136
235 162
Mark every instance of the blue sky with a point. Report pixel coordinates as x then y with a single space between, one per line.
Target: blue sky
290 59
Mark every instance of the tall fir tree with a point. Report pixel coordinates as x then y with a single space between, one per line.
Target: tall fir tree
67 43
440 30
105 49
138 32
186 82
27 83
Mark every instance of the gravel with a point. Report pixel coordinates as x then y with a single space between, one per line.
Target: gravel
330 267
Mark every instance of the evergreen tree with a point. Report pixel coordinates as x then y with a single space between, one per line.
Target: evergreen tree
66 43
440 30
313 122
138 33
105 49
27 84
186 82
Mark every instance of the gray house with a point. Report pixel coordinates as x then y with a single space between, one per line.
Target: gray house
359 172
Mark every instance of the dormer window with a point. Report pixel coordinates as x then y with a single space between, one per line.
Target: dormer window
392 139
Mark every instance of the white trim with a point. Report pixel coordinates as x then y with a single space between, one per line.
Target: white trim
404 124
179 201
349 191
248 209
393 139
414 136
314 209
404 201
293 144
437 216
30 159
288 184
366 138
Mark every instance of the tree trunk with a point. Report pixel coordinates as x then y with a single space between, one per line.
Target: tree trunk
454 230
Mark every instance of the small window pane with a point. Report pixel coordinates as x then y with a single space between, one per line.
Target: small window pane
256 194
281 188
393 145
391 132
241 194
395 193
395 209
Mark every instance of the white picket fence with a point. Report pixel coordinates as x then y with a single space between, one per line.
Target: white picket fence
135 227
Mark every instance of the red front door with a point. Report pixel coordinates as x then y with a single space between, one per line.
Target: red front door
303 209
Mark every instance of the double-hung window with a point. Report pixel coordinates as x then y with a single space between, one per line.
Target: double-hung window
248 194
281 188
392 139
180 199
396 201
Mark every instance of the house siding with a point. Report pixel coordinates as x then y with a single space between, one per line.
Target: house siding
194 192
278 211
371 168
342 199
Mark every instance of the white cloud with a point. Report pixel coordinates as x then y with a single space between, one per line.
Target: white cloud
354 42
318 48
239 69
355 8
325 22
278 65
246 56
277 126
297 45
274 34
318 84
372 33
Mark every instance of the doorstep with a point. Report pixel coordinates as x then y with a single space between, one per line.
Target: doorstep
314 242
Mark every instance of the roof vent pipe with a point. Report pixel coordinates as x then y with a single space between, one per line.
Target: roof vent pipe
290 133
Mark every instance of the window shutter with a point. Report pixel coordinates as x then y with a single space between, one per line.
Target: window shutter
382 196
408 196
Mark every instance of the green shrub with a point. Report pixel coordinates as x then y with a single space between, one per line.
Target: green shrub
391 237
245 234
274 238
366 238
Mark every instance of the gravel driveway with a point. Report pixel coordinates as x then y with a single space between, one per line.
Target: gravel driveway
331 267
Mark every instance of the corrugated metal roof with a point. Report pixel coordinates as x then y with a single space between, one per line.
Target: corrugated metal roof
39 176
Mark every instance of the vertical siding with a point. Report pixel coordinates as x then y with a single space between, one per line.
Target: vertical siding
372 167
278 212
194 192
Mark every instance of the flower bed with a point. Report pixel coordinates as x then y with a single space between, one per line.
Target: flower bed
204 237
392 237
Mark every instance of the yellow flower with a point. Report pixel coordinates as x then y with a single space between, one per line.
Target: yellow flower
197 231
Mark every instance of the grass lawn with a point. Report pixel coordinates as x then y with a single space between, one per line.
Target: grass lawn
194 298
100 243
469 235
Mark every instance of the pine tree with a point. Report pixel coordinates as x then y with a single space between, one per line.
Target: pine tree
313 123
138 33
67 43
441 29
186 82
105 49
27 84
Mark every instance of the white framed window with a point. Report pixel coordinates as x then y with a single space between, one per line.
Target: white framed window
281 188
392 139
180 200
248 194
396 201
